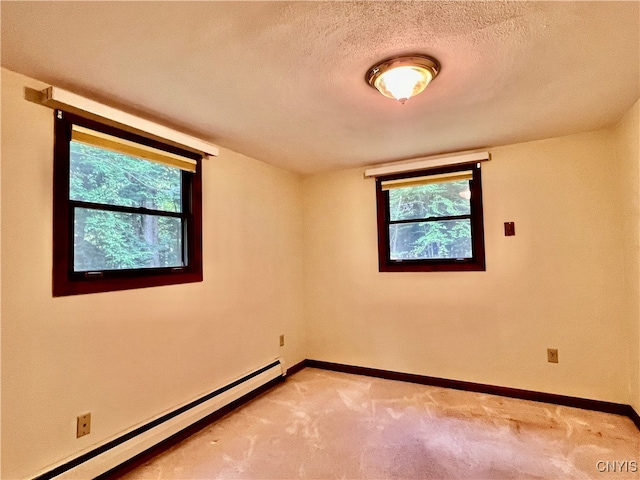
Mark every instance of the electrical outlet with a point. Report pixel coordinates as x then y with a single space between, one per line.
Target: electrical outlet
84 425
552 355
282 340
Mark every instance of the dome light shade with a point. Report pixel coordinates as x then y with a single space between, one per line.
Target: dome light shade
403 77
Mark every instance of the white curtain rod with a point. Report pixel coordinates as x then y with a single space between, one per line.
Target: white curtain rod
424 163
64 100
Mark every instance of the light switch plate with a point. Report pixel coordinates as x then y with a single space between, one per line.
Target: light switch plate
509 229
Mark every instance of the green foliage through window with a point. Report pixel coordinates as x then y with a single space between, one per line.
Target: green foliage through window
433 239
106 240
111 240
101 176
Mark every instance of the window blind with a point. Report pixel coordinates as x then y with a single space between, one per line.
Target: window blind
426 180
120 145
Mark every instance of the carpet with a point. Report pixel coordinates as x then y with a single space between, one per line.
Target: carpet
324 425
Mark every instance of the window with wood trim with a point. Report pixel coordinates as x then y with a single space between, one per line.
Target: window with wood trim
127 210
431 220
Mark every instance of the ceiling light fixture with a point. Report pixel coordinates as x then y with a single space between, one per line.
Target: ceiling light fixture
403 77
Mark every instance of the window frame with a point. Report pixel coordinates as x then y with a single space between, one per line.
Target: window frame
68 282
475 263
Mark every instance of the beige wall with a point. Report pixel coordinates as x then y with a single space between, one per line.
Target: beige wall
627 136
558 283
128 356
569 279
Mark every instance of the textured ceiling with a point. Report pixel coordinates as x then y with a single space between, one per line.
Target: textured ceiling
284 82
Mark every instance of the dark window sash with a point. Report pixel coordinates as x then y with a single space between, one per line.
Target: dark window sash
475 263
107 207
428 219
65 280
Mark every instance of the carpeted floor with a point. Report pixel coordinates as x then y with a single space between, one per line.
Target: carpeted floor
324 425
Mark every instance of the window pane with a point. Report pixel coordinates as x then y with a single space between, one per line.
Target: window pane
431 200
430 240
102 176
114 241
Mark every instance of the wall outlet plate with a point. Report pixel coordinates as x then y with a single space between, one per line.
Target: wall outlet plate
552 355
84 425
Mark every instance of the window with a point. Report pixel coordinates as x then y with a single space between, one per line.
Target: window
431 220
127 210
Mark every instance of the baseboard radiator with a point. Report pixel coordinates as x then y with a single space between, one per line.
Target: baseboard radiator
126 446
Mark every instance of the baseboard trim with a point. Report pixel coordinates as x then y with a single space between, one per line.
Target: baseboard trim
171 425
147 455
194 428
633 415
296 368
577 402
144 456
